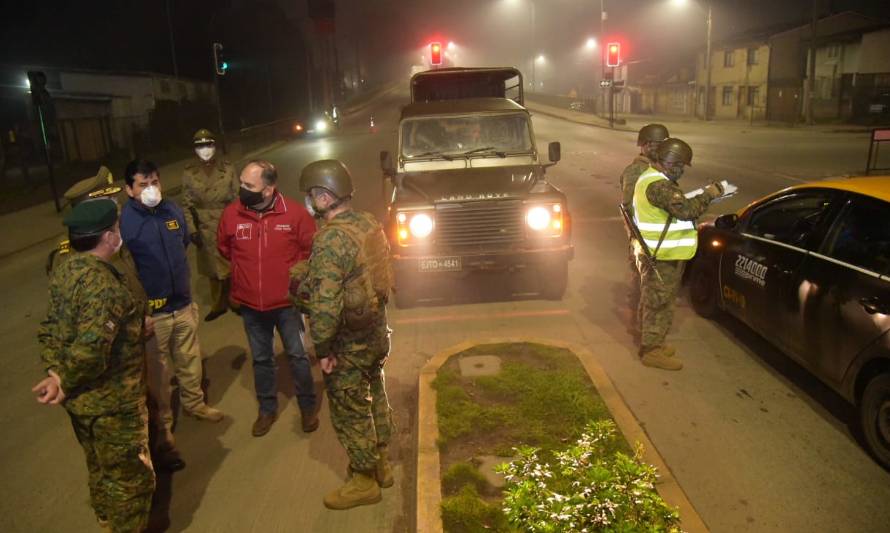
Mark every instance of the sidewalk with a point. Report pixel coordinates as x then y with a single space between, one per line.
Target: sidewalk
40 223
633 123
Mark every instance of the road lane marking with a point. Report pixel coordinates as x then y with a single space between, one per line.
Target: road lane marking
464 318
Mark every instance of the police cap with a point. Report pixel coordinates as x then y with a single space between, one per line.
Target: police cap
91 218
98 186
330 174
204 136
652 133
673 150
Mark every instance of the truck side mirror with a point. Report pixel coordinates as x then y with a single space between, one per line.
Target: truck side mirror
554 150
728 221
386 163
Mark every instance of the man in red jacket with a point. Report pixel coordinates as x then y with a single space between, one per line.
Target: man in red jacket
263 234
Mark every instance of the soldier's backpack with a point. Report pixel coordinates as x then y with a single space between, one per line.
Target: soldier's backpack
366 289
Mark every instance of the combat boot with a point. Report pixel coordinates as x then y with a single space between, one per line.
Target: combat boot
361 489
659 357
206 413
384 469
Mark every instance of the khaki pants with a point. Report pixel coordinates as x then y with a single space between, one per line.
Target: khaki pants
176 340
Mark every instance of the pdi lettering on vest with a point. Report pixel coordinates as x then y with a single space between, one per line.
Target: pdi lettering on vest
156 303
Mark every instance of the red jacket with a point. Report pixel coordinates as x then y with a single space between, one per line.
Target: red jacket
262 247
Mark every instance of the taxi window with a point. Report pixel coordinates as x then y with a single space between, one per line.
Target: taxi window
862 235
790 219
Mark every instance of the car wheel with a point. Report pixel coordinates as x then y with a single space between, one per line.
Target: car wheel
703 289
874 413
553 279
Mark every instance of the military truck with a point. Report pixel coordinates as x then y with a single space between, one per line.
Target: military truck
469 191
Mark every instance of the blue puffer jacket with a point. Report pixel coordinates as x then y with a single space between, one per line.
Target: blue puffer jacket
158 238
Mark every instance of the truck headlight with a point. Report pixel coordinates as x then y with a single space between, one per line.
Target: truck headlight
321 126
412 227
545 220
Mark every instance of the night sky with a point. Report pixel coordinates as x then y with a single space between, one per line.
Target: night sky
388 34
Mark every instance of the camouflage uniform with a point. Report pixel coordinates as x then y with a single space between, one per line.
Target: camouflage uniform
627 182
207 188
656 311
360 411
92 338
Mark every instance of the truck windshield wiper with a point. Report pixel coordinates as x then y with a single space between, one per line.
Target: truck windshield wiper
436 153
485 149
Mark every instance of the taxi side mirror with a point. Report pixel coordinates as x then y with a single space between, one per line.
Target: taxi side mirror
726 221
554 151
386 164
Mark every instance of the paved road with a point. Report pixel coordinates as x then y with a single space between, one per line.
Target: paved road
757 445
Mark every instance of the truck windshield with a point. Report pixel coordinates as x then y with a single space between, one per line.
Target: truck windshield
458 135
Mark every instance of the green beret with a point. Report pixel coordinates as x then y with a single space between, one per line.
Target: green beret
92 187
89 218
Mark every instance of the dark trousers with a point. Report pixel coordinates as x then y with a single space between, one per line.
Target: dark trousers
260 328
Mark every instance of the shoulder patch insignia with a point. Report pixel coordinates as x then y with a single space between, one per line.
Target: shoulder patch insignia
64 247
173 225
107 191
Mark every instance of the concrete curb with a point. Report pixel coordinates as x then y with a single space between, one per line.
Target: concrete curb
535 109
429 490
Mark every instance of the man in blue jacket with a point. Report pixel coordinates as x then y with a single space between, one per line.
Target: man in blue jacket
157 235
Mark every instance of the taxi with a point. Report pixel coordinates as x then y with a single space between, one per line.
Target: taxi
808 268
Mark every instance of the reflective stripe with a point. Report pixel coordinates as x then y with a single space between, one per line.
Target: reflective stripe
670 243
675 226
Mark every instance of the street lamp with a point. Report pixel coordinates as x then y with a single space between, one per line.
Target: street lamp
531 4
707 62
591 43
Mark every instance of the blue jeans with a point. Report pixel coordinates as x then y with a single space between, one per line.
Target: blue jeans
260 328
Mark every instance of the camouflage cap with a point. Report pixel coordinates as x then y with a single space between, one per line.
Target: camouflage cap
98 186
204 136
90 218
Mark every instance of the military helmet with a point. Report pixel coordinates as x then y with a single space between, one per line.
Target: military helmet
652 133
99 186
204 136
330 174
672 149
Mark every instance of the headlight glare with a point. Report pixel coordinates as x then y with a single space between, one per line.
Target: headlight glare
538 218
421 225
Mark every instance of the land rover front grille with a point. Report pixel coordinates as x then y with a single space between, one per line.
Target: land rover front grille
483 223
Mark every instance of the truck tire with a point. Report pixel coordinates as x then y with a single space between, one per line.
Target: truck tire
874 417
553 278
703 289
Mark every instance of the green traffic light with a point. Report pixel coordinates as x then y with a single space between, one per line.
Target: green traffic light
225 66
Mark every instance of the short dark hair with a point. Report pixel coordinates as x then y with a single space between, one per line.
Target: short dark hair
269 172
84 243
139 166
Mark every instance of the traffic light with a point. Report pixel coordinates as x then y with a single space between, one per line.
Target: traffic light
219 60
435 53
37 82
613 51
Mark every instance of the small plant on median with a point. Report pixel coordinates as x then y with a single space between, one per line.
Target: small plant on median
588 487
467 512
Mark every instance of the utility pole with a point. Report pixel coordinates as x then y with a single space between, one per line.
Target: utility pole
534 48
707 110
811 66
602 53
172 41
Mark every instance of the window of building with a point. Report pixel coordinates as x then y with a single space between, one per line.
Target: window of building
729 58
753 95
752 56
727 95
834 51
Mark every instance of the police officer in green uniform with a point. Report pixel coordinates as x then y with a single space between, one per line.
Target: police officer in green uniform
345 293
101 186
209 184
649 138
666 220
93 350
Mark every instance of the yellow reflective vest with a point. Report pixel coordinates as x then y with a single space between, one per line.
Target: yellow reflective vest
681 239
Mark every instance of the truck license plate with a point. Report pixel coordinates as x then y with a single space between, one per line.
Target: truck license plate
439 264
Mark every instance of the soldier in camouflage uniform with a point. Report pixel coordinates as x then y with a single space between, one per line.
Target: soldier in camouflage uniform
666 220
93 351
345 293
209 184
648 139
161 441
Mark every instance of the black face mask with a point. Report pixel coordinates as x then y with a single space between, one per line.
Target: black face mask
250 198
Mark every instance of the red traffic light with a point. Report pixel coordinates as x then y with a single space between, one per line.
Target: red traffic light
435 53
613 51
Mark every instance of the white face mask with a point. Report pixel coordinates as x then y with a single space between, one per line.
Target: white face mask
205 152
150 196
